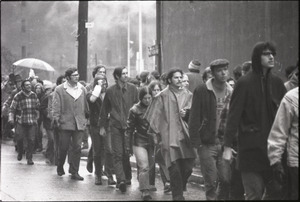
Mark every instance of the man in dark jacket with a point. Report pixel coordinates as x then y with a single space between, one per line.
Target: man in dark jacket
208 102
252 109
118 100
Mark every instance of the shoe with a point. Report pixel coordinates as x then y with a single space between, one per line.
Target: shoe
146 195
167 188
30 162
76 176
152 188
89 166
20 155
98 180
60 171
128 182
122 186
111 181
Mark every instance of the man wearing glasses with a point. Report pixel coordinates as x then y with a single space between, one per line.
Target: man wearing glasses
70 113
254 102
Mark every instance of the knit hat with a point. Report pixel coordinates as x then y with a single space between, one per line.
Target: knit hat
218 63
195 64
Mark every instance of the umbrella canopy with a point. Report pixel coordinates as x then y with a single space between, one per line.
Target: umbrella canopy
33 63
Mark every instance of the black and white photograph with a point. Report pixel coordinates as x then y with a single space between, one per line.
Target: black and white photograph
149 100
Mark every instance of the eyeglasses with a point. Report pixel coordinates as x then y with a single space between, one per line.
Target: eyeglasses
75 75
268 53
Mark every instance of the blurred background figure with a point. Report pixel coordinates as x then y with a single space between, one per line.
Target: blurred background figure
293 77
246 67
237 72
194 75
185 81
206 74
231 82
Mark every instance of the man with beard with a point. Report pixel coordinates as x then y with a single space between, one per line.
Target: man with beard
119 98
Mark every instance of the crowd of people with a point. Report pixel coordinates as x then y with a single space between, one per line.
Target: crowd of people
243 129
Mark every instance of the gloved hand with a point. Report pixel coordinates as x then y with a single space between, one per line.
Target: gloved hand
278 172
97 90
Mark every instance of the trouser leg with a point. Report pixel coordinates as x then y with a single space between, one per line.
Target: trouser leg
207 155
253 185
76 150
64 142
118 153
176 181
30 136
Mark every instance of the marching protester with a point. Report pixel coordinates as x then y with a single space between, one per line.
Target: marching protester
139 142
284 135
251 114
53 128
95 99
9 85
166 115
154 89
71 119
25 106
119 98
208 102
38 88
44 117
293 81
206 74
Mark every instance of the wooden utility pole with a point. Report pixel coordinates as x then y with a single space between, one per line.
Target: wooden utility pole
82 40
158 36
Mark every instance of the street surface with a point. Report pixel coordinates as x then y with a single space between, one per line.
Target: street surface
39 182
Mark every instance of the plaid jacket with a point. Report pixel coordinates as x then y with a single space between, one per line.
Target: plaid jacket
26 106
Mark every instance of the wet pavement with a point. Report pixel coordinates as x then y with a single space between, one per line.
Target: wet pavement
39 182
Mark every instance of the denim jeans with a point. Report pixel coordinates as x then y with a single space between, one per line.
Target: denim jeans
180 171
145 160
120 159
216 172
73 138
27 132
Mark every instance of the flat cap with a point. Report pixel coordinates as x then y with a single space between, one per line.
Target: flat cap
219 63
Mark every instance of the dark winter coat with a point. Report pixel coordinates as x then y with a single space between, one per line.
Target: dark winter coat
252 110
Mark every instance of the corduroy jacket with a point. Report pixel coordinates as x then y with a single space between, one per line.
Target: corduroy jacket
71 114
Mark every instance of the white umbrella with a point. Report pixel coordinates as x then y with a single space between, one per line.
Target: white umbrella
33 63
